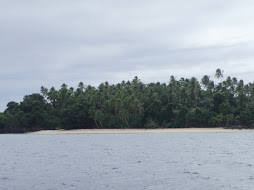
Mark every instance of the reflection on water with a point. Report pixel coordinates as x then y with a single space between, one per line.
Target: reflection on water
178 161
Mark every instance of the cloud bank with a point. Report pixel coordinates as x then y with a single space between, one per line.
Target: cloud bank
50 42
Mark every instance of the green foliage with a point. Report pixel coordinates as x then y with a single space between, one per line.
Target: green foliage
133 104
197 117
216 120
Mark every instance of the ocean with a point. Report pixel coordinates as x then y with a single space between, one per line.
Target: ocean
158 161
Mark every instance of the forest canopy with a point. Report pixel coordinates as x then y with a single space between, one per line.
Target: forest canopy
181 103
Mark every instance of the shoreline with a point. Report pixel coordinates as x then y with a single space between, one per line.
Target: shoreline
135 131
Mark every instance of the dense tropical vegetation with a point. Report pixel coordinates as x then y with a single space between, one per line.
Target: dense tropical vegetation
133 104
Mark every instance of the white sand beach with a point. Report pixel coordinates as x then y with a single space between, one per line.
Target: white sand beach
129 131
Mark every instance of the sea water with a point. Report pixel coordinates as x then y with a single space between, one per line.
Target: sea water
161 161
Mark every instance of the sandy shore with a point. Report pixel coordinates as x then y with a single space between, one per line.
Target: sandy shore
129 131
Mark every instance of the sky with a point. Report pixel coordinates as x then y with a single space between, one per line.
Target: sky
51 42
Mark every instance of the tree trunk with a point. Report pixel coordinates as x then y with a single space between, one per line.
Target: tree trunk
96 123
126 122
101 124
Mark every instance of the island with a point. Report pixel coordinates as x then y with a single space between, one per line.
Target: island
180 103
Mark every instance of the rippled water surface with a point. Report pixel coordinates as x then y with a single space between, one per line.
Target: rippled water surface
177 161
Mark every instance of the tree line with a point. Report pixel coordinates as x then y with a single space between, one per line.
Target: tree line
181 103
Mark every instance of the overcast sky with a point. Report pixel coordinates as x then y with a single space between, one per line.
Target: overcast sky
50 42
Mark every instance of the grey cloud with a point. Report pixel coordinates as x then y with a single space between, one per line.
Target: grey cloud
51 42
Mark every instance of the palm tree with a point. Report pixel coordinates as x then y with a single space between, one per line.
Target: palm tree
92 112
81 86
194 90
99 117
53 96
205 81
219 74
124 115
44 92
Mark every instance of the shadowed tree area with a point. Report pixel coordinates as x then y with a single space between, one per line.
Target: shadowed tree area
133 104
